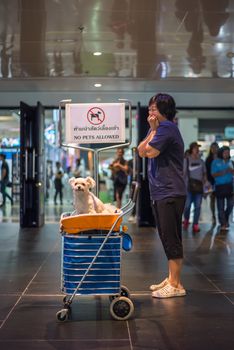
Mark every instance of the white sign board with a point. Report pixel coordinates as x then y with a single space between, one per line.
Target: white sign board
229 132
95 123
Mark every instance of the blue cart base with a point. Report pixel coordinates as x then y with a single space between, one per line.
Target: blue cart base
91 265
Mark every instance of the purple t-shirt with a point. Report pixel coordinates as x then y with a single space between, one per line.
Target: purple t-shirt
165 172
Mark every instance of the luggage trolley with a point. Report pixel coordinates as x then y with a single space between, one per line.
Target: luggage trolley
91 250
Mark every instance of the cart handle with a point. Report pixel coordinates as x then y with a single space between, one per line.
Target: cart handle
133 194
128 207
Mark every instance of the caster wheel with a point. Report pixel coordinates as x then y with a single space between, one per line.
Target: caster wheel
63 315
121 308
125 292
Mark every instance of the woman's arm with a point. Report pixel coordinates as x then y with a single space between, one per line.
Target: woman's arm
123 167
221 173
143 145
144 149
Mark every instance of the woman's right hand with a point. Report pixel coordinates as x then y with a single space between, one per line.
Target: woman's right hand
229 170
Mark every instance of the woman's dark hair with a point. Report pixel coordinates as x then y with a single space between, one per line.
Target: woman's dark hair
210 155
221 150
165 104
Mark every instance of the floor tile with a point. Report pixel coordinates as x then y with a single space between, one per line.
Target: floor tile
30 272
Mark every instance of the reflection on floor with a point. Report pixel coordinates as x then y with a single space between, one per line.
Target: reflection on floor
30 294
10 213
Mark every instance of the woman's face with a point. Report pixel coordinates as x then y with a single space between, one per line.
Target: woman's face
226 154
195 150
153 111
120 153
214 149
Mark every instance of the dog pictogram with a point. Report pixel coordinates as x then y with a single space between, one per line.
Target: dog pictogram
96 115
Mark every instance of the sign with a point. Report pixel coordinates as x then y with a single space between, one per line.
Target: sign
229 132
95 123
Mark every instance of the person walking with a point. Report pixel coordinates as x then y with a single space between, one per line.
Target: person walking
164 148
222 171
195 175
213 154
4 180
58 184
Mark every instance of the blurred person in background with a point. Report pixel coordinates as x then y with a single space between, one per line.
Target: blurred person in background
195 175
119 169
79 170
4 180
58 183
222 171
213 154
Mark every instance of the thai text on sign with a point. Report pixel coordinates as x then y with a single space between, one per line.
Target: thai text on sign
95 123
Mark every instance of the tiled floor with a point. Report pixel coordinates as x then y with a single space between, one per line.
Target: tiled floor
30 293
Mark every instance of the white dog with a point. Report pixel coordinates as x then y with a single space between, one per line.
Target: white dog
85 202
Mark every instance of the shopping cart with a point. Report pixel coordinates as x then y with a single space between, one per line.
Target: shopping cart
91 259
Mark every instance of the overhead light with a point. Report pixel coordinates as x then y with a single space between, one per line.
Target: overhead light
97 53
97 85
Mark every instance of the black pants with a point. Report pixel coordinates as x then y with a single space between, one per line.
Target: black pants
58 191
168 214
4 192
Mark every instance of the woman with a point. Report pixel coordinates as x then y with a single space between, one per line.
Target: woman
119 169
164 148
194 169
222 171
213 154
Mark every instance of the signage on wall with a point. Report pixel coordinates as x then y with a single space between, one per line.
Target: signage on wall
95 123
229 132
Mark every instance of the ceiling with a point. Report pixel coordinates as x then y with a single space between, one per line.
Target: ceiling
144 46
140 41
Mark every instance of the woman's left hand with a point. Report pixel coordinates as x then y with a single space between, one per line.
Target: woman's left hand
153 122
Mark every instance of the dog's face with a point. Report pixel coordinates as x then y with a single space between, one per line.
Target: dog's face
81 184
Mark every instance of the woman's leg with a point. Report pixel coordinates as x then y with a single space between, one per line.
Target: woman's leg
168 214
212 206
175 267
197 208
61 195
228 209
221 212
118 199
188 204
55 196
3 190
119 195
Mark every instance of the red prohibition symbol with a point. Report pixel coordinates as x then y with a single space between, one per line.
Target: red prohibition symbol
96 115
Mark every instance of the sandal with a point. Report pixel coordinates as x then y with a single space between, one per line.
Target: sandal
154 287
168 291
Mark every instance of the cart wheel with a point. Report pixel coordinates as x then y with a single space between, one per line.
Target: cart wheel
125 292
63 315
121 308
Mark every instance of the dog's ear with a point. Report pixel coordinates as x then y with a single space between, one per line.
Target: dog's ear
71 180
90 181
